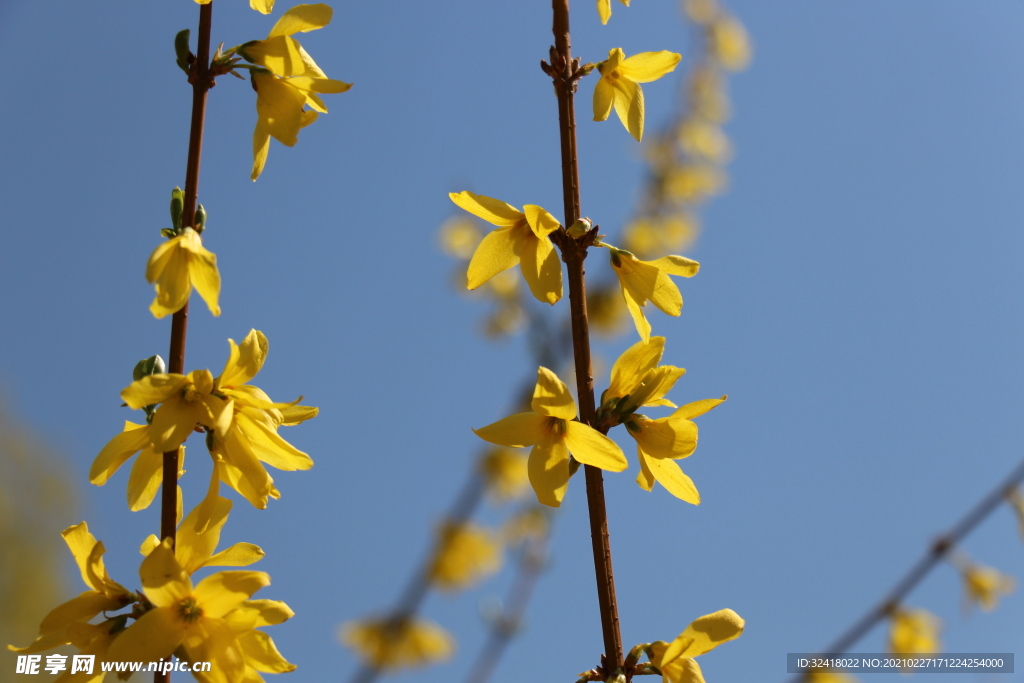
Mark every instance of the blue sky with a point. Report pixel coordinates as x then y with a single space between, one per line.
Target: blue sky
859 301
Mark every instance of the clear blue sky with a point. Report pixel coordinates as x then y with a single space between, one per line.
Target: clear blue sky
859 300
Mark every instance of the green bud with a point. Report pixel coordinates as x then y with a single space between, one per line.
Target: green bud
183 55
177 207
617 677
587 68
167 232
580 228
154 365
200 221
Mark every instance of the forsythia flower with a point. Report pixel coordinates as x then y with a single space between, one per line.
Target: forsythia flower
505 473
175 267
194 618
914 632
194 547
251 437
822 676
289 81
984 585
730 44
147 471
68 622
521 237
604 9
185 401
263 6
643 281
465 553
619 86
553 432
636 381
676 660
384 644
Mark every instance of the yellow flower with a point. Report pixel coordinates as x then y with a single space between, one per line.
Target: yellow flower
175 267
619 85
65 623
606 311
459 237
263 6
604 9
521 237
289 81
822 676
465 554
636 381
643 281
531 524
704 139
553 432
914 632
984 585
147 471
251 437
194 547
185 401
730 44
190 617
384 644
280 110
656 234
693 183
505 473
676 660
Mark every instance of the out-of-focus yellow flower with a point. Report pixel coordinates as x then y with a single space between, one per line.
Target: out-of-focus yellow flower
194 548
707 95
383 644
263 6
676 660
694 183
530 524
465 554
507 318
551 428
649 235
704 139
194 618
65 623
701 11
914 632
1016 500
606 311
619 85
185 401
984 585
460 237
289 81
821 676
730 44
604 9
521 237
643 281
504 473
178 265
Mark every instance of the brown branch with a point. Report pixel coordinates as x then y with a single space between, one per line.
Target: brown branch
935 553
201 81
565 72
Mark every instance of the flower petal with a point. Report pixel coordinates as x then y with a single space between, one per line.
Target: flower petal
551 397
604 98
491 210
540 221
133 439
676 265
154 636
604 10
705 634
261 653
516 431
668 474
549 472
238 555
163 580
698 408
629 105
636 312
541 269
222 592
630 368
649 66
498 250
667 437
302 19
591 447
145 478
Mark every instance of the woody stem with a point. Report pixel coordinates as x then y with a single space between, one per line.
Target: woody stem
201 83
563 71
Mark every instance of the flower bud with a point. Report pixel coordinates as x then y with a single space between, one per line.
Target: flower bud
177 207
154 365
200 220
580 228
